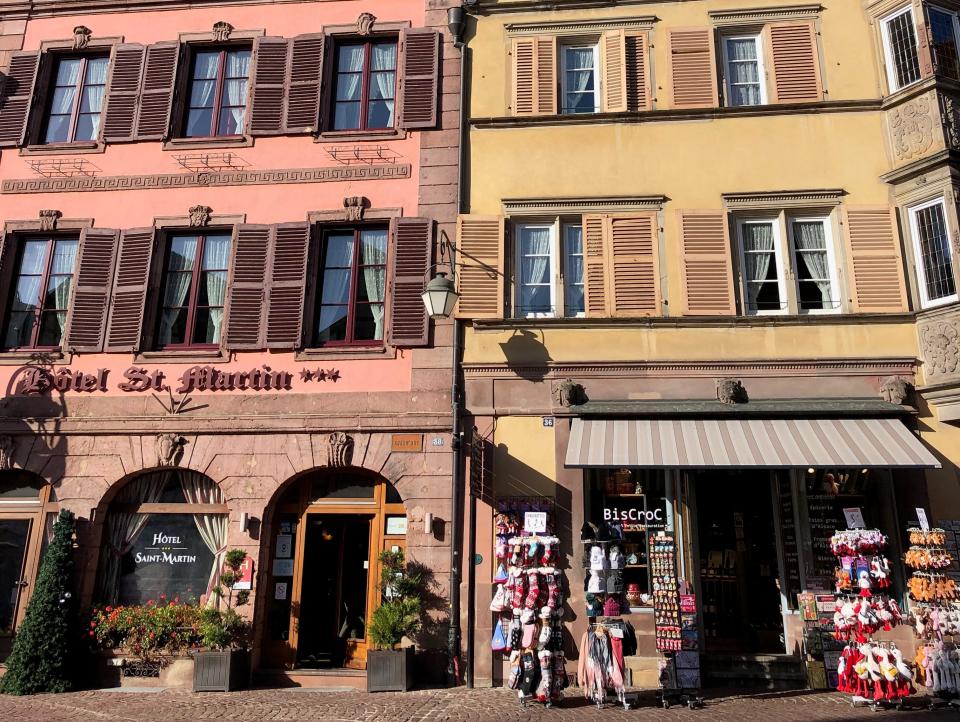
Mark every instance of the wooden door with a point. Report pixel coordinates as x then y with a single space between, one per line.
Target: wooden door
17 564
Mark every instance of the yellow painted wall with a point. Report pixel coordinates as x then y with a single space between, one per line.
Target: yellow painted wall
524 457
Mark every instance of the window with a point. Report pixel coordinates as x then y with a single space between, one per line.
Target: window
538 292
814 263
41 293
900 49
573 270
762 267
579 78
744 70
76 99
934 260
365 86
217 93
943 42
352 287
194 288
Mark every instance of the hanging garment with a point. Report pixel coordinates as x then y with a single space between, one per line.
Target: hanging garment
530 671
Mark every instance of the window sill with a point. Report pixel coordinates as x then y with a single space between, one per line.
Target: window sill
34 357
63 148
187 355
346 353
232 141
342 135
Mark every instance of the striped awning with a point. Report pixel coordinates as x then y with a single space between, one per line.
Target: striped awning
745 443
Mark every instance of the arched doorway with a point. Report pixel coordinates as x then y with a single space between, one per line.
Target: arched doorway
327 530
28 508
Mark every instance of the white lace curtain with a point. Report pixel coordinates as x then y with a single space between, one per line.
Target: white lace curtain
534 270
810 242
758 254
373 252
64 255
235 90
216 254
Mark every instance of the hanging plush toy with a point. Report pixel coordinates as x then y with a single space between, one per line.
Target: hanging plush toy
864 583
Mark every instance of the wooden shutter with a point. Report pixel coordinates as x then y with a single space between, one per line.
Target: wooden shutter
875 263
634 272
269 86
707 265
246 294
480 241
303 89
535 75
693 68
7 254
596 298
287 281
796 66
125 327
614 72
156 91
120 114
419 78
638 78
16 96
87 319
410 262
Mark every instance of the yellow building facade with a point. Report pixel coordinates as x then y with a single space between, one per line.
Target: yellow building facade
708 250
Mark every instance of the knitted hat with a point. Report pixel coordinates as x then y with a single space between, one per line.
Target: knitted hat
587 532
598 560
611 608
502 575
595 584
499 641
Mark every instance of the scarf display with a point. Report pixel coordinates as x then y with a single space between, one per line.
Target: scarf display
600 669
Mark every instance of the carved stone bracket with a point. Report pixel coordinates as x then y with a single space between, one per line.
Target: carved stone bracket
200 216
354 207
48 219
895 389
731 391
365 23
6 452
169 449
569 393
221 31
339 449
81 37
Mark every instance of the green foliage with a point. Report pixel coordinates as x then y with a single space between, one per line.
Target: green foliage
43 656
222 629
400 611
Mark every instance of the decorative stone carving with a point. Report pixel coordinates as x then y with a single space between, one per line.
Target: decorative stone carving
6 452
221 31
365 23
200 216
340 449
169 449
731 391
895 389
912 127
940 348
81 37
48 219
569 393
354 206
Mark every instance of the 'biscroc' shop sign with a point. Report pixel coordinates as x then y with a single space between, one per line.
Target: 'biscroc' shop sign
33 380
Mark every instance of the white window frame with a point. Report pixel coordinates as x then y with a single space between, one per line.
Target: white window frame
831 262
567 283
553 227
912 211
595 48
778 259
761 71
887 48
955 18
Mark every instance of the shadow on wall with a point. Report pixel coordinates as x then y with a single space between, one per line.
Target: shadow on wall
526 355
942 485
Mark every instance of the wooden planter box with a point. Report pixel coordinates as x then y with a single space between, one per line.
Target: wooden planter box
390 670
220 671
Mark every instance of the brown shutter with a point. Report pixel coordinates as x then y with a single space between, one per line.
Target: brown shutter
596 297
91 293
535 76
125 327
419 65
874 260
693 69
8 247
15 98
120 115
480 242
246 293
796 67
156 93
269 86
634 268
287 281
409 265
614 72
303 90
707 267
638 79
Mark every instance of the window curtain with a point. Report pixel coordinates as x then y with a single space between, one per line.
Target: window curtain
744 71
238 68
383 66
64 255
373 253
182 257
535 262
335 294
216 254
123 529
811 245
758 238
213 528
351 61
93 92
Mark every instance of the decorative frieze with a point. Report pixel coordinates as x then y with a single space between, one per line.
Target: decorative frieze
940 347
914 127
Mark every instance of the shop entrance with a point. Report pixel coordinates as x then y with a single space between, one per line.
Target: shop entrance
739 568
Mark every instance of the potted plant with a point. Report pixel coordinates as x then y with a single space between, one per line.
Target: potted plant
222 664
390 669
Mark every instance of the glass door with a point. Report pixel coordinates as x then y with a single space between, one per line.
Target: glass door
14 544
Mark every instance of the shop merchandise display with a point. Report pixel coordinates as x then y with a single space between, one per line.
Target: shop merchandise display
874 672
601 668
528 602
666 593
937 668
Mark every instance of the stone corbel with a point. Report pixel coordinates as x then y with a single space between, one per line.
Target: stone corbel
169 449
354 207
81 37
200 216
365 23
731 391
895 390
339 449
221 31
48 219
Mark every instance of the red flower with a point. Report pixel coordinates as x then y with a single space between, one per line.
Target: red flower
108 608
93 625
163 596
91 632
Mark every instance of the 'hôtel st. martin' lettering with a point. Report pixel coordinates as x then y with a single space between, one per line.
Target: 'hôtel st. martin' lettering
163 556
34 380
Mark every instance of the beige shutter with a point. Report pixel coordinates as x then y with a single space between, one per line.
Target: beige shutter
614 72
693 68
480 252
796 67
638 78
874 260
707 267
595 267
634 271
535 76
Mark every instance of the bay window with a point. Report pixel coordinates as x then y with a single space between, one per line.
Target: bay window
365 85
217 94
932 252
743 63
76 99
944 31
900 49
578 77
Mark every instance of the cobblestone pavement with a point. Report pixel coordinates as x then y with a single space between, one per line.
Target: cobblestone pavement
424 706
